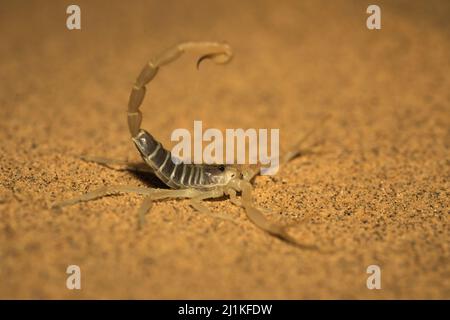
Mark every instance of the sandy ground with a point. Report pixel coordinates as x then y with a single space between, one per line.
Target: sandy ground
377 188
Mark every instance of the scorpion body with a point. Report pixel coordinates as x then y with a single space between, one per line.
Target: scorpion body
190 181
176 174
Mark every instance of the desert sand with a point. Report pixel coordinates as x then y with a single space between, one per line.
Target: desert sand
375 189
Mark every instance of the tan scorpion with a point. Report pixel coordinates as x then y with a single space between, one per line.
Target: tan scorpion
191 181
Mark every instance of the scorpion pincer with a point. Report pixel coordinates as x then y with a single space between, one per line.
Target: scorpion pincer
196 182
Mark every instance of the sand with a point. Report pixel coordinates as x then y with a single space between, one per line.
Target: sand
376 188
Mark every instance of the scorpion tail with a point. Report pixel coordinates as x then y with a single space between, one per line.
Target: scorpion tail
219 52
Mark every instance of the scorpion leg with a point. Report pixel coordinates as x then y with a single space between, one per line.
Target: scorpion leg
259 219
233 197
197 204
145 207
234 200
297 149
151 193
159 194
102 192
154 193
250 172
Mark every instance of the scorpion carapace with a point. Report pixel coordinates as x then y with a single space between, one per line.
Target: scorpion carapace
191 181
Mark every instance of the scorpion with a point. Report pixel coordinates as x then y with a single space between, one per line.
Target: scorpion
196 182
